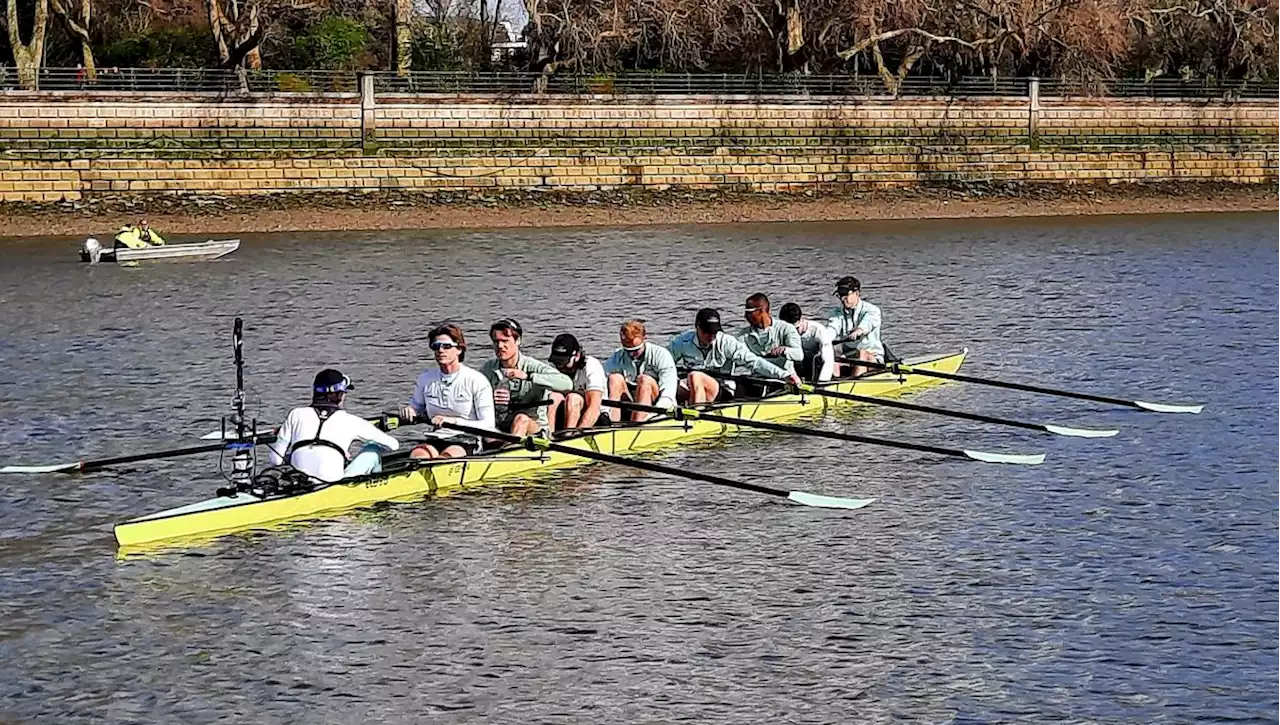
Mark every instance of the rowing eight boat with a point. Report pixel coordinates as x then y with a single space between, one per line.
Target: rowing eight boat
227 514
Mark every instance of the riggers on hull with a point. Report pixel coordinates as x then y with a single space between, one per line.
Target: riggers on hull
227 514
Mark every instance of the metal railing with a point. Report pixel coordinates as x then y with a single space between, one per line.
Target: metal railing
327 83
182 80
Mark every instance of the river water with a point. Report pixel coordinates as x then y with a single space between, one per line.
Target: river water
1131 579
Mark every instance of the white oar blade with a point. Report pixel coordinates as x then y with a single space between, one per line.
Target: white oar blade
1167 408
1063 430
828 502
55 468
1015 458
217 435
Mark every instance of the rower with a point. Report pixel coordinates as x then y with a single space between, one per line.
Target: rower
640 372
316 439
520 383
777 341
580 407
856 326
819 360
450 393
707 348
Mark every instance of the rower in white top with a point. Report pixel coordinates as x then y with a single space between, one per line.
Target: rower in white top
451 393
316 439
580 407
816 339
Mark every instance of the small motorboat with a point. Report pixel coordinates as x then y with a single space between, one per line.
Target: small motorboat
93 252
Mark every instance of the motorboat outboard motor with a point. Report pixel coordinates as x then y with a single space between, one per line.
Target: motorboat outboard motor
91 251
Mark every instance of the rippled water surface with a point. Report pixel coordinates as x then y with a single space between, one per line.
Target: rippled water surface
1126 580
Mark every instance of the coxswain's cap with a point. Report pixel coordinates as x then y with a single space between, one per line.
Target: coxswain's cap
708 320
564 347
332 381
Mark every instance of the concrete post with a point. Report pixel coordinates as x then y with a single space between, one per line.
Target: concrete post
368 111
1033 113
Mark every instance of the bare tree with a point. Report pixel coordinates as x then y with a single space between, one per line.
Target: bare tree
77 23
403 19
29 56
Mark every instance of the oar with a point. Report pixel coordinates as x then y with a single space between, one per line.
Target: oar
984 456
900 368
87 466
534 443
1061 430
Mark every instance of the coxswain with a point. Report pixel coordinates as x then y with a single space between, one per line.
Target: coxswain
450 393
580 407
316 439
777 341
819 360
520 383
640 372
856 327
707 349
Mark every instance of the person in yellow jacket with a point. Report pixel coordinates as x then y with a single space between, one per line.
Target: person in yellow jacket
139 237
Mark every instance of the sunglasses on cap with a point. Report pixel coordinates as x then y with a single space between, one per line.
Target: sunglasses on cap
633 348
749 310
442 345
341 386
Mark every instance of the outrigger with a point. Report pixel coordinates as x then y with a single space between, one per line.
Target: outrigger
259 499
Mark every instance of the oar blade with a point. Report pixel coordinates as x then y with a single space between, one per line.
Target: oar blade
1063 430
827 502
1033 459
53 468
1167 407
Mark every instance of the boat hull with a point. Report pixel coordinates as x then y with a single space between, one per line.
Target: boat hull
198 252
222 515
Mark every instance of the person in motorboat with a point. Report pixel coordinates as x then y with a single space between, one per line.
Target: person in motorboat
640 372
450 393
316 439
819 360
138 237
520 383
580 407
707 348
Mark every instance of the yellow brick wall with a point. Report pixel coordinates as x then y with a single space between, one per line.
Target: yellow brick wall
58 150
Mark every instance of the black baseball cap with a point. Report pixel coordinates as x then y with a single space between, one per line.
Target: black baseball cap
708 320
848 284
564 347
332 381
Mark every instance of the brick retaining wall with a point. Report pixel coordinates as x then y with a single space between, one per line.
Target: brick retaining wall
66 148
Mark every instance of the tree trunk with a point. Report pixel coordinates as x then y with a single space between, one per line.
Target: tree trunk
28 57
80 29
404 36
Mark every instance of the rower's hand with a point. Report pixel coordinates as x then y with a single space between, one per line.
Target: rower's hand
501 396
794 380
440 420
515 374
408 414
778 351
